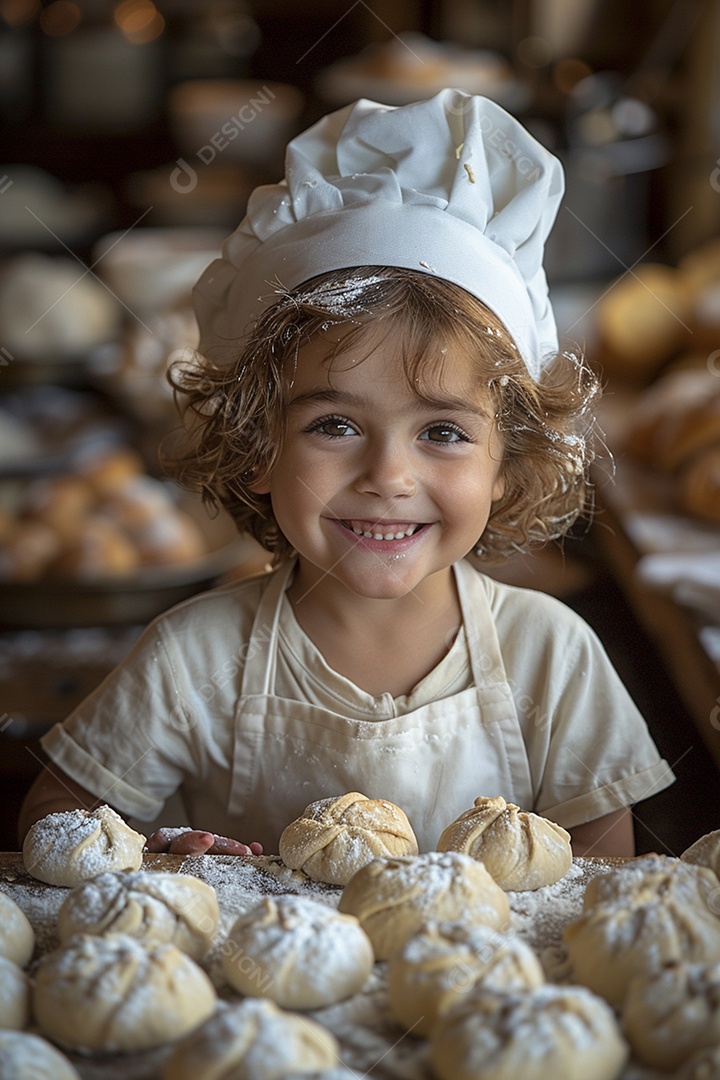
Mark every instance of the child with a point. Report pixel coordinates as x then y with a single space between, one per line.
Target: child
380 394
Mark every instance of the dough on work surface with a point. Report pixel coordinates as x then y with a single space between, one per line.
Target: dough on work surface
254 1040
301 953
28 1057
339 1073
651 877
17 937
393 898
704 852
76 845
115 994
335 837
15 991
558 1032
520 849
155 908
436 967
612 942
669 1015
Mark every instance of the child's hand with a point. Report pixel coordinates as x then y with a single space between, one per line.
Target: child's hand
198 842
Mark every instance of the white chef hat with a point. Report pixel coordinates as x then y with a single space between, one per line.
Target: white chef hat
452 186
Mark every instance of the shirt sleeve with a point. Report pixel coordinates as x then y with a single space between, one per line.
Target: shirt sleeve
135 738
589 748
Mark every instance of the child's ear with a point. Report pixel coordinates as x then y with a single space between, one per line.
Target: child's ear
498 489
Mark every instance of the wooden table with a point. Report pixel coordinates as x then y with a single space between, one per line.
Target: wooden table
676 630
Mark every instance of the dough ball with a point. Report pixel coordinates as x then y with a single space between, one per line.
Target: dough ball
174 539
99 550
653 876
15 991
155 908
705 852
28 1057
114 994
254 1040
300 953
520 850
563 1032
17 937
335 837
393 898
76 845
340 1073
612 942
436 967
111 469
27 551
671 1013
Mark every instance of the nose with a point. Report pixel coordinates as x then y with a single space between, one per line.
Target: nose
386 470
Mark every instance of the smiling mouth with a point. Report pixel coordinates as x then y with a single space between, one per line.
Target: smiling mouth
384 531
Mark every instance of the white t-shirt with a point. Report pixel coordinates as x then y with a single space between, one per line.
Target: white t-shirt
165 719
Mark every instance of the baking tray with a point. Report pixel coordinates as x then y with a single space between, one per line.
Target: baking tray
138 598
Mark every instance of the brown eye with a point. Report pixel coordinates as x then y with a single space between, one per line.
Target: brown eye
444 433
333 427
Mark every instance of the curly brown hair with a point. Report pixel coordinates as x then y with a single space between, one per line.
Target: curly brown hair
234 416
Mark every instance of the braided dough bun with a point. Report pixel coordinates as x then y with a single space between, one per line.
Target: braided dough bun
17 937
437 966
636 934
76 845
393 898
254 1040
28 1057
652 877
155 908
300 953
115 994
335 837
15 991
520 850
672 1013
563 1032
704 852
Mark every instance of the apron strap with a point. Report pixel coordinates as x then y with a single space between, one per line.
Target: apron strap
261 660
486 662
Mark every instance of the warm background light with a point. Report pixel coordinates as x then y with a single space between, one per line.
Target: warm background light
19 12
139 20
60 18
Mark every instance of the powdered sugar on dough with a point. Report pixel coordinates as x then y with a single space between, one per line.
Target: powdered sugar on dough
371 1042
76 845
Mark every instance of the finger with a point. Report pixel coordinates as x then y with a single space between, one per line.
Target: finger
157 841
193 842
256 848
225 845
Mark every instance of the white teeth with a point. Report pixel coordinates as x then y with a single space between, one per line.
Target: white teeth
384 536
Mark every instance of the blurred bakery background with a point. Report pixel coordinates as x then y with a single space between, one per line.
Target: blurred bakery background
132 134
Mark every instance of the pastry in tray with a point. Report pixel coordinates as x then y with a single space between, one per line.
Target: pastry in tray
675 429
106 519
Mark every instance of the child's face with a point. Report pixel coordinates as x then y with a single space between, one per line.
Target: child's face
377 486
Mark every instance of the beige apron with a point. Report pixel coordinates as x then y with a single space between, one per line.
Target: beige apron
432 762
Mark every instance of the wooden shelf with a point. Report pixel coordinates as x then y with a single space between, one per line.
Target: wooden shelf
674 629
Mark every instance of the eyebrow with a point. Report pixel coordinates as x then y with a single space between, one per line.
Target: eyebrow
423 402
